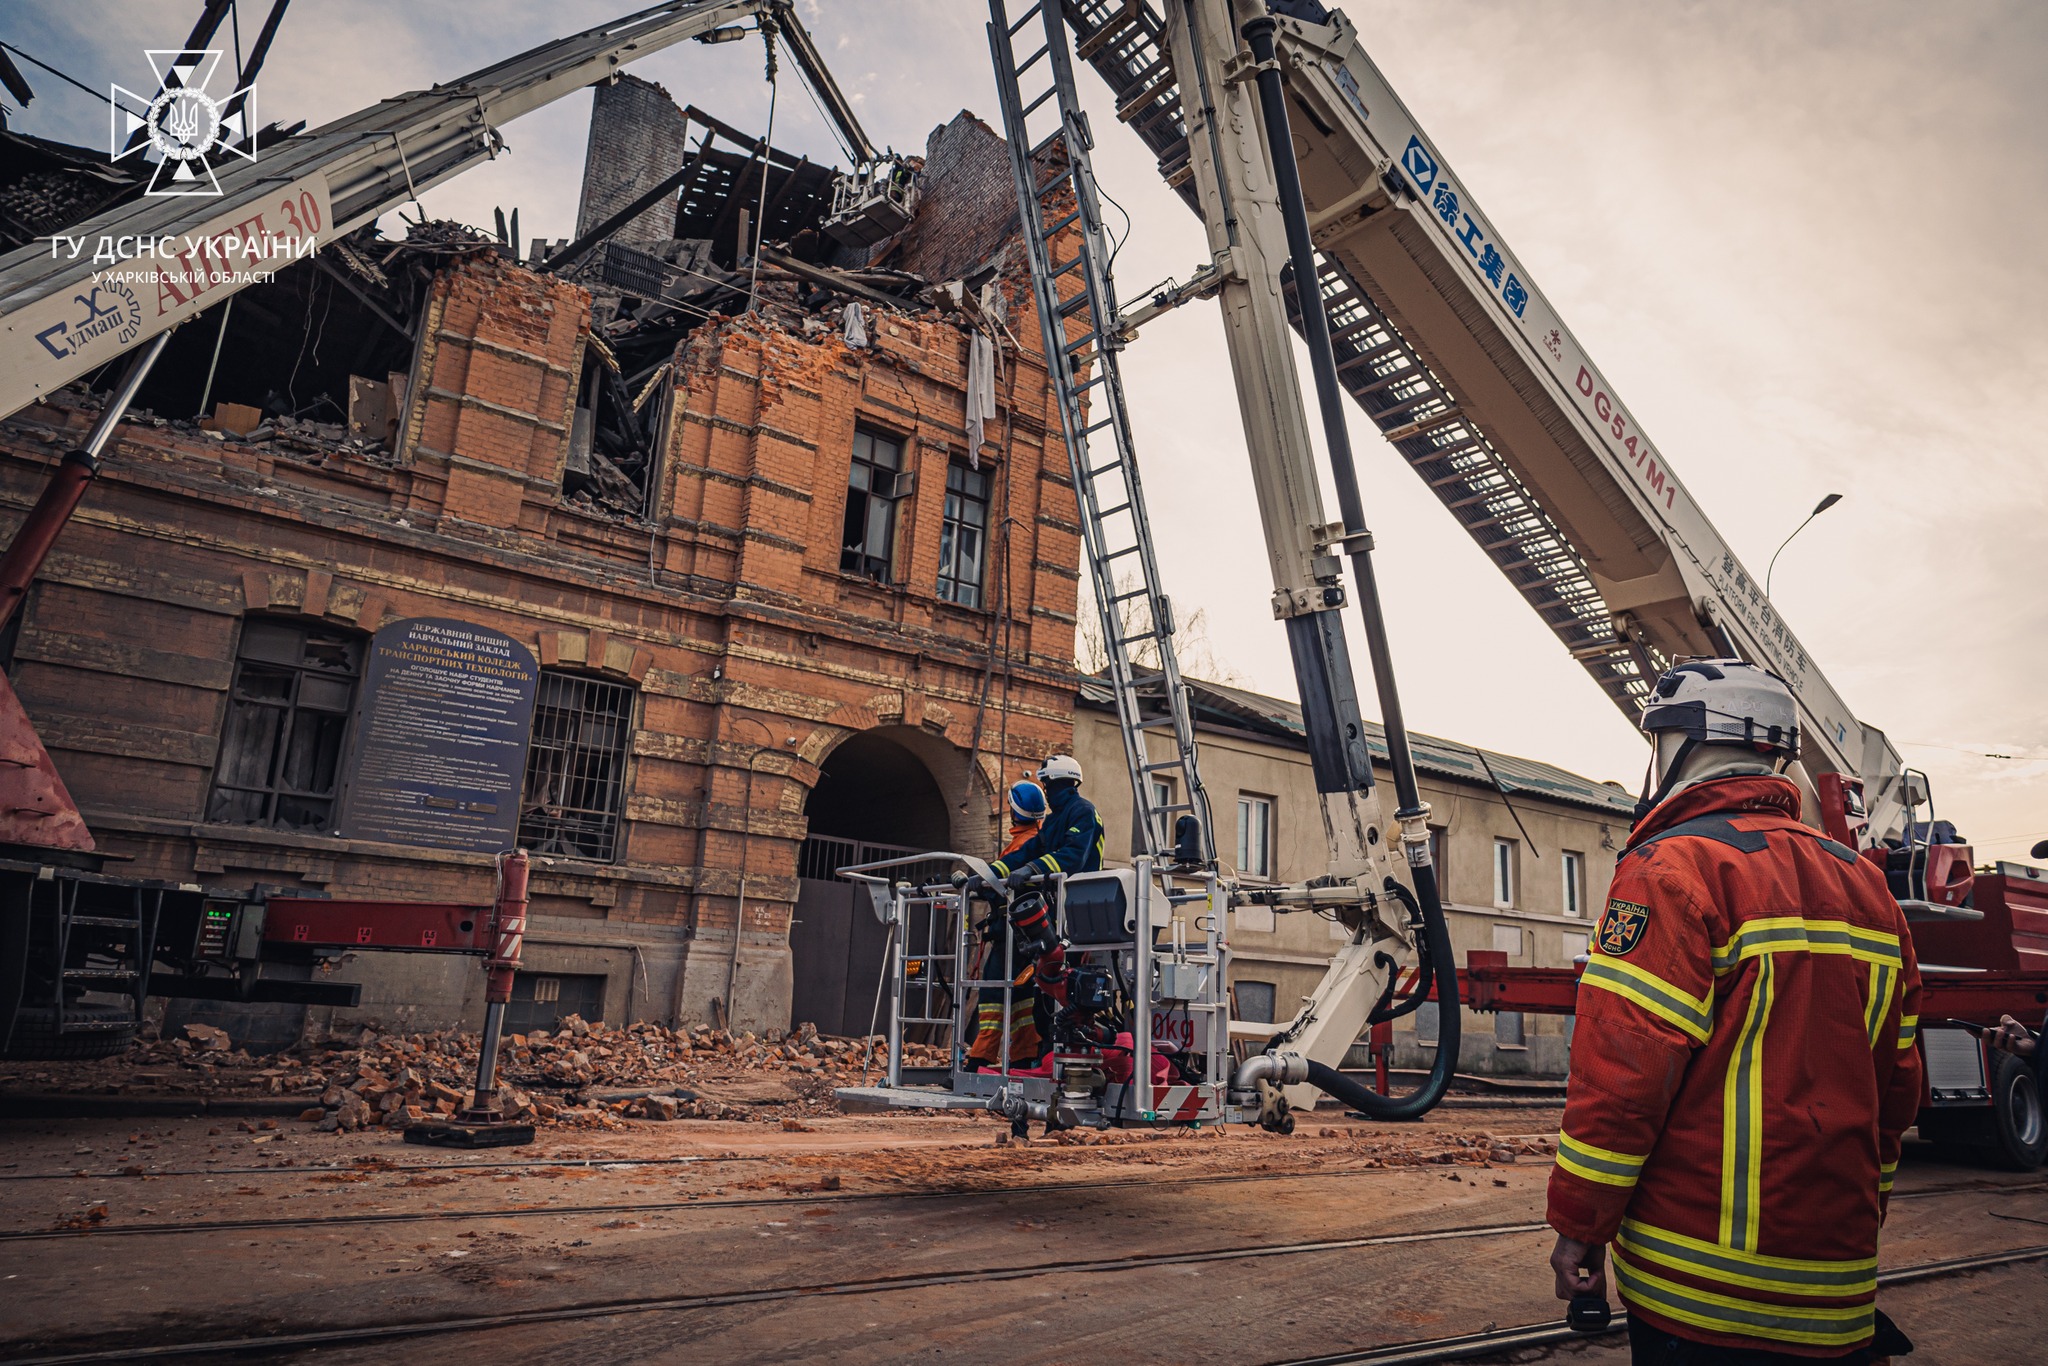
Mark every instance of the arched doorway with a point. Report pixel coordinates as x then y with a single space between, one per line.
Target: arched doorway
879 794
873 789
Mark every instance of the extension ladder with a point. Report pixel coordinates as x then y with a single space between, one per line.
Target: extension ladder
1056 192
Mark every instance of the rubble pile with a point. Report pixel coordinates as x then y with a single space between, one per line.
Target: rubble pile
583 1073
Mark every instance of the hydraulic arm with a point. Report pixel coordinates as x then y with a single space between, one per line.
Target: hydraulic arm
1257 224
1443 338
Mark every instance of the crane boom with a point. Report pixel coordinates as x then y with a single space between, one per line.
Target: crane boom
1446 341
59 318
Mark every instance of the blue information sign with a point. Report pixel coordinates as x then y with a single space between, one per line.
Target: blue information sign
440 737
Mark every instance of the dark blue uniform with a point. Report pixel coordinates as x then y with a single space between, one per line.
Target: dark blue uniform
1070 840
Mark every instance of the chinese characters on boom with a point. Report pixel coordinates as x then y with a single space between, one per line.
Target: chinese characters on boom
1422 168
1762 620
1436 188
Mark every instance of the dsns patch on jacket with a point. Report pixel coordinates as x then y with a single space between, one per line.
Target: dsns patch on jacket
1621 928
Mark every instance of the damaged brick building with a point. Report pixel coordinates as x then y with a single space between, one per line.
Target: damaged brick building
783 529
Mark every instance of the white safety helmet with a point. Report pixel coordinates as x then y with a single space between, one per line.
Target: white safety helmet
1060 768
1723 702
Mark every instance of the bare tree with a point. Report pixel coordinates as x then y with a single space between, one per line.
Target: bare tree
1191 642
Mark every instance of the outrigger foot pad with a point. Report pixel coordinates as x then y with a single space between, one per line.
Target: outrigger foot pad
455 1134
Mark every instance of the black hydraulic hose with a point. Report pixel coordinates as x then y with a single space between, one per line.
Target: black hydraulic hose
1400 758
1423 1099
1380 1011
1425 973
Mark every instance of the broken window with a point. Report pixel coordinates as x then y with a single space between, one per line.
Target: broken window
288 710
611 436
576 767
963 537
874 486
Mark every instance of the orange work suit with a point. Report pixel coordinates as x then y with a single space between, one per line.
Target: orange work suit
1025 1044
1742 1069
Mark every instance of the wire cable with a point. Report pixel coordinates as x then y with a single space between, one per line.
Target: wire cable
1116 243
852 157
37 61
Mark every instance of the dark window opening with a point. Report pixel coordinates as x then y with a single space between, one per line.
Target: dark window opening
542 1000
875 484
576 767
288 709
963 536
610 464
1255 1001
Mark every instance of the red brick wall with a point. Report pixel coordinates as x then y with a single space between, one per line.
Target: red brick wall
496 385
725 609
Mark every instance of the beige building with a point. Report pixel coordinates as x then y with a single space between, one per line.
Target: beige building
1525 852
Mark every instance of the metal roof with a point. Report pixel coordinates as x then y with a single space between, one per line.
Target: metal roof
1218 703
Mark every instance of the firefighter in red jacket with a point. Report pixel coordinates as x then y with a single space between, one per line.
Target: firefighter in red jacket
1743 1065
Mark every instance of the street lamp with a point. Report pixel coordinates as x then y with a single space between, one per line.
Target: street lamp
1818 508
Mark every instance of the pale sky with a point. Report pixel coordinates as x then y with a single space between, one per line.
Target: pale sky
1801 239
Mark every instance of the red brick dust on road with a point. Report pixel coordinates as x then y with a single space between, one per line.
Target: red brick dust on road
1181 1247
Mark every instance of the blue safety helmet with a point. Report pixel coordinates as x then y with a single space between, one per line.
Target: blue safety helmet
1027 801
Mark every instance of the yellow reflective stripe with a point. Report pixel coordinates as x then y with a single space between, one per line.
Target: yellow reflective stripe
1885 1172
1817 1325
1880 1002
1690 1014
1874 946
1742 1120
1769 934
1797 934
1732 1266
1909 1030
1604 1165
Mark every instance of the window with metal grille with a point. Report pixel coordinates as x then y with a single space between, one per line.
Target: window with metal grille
875 484
288 708
963 537
576 767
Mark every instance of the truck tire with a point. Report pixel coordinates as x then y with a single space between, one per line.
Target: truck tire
36 1038
2019 1124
